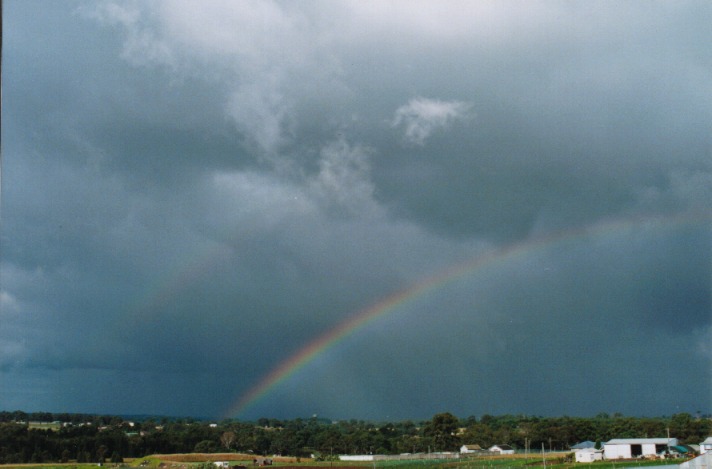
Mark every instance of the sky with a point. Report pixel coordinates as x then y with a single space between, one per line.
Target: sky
356 209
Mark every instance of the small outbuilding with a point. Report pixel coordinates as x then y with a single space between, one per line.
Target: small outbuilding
502 449
588 455
465 449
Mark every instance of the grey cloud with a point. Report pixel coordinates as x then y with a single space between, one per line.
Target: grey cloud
193 194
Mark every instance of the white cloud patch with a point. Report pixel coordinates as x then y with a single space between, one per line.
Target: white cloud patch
344 177
258 203
422 116
143 45
341 185
8 303
256 52
261 112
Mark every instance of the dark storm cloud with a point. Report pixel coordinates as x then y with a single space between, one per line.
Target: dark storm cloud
192 192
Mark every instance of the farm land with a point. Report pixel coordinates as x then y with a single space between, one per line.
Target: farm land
556 460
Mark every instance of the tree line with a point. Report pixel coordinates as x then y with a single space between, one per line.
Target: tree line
92 438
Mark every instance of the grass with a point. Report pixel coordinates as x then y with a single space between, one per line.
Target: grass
499 462
44 426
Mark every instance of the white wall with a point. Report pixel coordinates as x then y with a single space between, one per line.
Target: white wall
616 451
588 456
356 457
623 450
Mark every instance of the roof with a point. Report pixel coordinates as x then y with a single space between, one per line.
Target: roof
708 441
584 444
504 447
642 441
472 447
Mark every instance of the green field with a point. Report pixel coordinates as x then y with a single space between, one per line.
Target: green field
44 426
471 463
522 463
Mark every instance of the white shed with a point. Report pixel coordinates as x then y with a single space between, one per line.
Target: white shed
706 445
464 449
588 455
502 449
629 448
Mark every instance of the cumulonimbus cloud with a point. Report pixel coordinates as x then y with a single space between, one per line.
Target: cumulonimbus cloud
422 116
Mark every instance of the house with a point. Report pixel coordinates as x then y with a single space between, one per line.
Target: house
629 448
221 464
706 445
502 449
464 449
588 455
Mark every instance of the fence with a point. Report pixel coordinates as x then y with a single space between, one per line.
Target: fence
419 456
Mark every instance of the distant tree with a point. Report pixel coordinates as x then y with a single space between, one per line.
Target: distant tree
680 426
205 446
19 416
228 439
83 457
101 454
441 429
116 457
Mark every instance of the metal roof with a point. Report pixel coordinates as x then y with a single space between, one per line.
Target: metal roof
584 444
642 441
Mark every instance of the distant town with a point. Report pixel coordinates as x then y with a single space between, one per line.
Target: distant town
43 437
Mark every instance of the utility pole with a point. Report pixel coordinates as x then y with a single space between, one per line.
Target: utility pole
668 442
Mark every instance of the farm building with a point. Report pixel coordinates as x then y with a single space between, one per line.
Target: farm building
502 449
706 445
464 449
636 447
588 455
703 461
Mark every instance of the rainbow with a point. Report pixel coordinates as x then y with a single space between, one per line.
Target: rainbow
171 285
359 320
